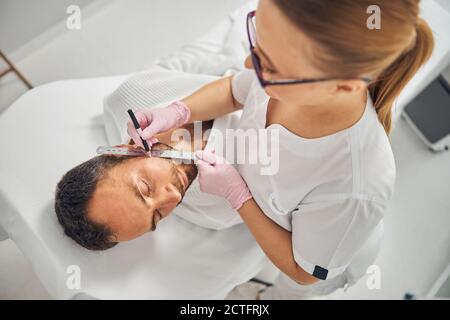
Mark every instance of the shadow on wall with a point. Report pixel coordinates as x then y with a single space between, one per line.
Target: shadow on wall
15 33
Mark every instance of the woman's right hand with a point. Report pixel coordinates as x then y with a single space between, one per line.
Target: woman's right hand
156 120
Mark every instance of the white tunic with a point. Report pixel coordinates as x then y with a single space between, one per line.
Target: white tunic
330 192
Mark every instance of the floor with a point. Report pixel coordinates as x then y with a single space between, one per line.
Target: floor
417 237
415 248
109 44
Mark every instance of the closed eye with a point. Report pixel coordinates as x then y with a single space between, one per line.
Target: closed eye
142 190
147 190
267 69
264 69
265 61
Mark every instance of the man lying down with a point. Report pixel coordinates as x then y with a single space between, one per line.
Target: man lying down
113 198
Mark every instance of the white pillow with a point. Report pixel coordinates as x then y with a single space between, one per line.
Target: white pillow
221 51
156 87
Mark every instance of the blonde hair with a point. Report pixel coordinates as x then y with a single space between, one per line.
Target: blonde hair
390 55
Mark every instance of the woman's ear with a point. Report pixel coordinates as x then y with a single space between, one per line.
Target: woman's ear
349 86
248 62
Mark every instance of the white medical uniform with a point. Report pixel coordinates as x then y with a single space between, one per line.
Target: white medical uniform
330 192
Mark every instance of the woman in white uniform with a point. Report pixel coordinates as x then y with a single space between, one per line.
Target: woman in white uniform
325 80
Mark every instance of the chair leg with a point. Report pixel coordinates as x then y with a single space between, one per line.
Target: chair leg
12 68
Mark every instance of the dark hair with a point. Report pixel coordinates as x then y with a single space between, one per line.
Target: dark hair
72 196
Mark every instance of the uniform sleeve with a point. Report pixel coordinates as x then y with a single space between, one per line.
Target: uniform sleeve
240 84
327 234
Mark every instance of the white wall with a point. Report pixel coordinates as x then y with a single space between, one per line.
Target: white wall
22 20
444 3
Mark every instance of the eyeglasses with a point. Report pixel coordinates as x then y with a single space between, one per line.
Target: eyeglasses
251 32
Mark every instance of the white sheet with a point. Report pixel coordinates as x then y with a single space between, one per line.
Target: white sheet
156 87
61 126
220 51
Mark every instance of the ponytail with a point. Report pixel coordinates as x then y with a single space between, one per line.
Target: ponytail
347 48
386 88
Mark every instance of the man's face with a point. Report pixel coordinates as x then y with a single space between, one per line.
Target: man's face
136 194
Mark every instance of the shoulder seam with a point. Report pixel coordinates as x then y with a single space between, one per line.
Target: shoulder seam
343 196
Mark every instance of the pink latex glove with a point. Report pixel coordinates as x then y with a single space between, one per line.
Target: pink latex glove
156 120
218 177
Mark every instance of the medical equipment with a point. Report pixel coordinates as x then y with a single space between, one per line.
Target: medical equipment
171 154
138 129
429 113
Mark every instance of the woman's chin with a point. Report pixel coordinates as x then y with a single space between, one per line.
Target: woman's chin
271 94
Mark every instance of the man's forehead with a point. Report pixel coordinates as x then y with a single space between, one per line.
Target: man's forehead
113 197
116 174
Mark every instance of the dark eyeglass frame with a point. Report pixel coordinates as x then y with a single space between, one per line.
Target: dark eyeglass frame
258 68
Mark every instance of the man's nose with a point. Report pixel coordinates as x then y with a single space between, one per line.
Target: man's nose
170 195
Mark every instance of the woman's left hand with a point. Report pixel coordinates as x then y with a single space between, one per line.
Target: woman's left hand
219 177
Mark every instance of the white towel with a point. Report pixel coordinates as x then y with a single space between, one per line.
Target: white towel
156 87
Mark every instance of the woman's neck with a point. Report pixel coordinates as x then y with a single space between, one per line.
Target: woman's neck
315 121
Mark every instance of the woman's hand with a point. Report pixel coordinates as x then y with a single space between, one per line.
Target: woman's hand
218 177
156 120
